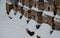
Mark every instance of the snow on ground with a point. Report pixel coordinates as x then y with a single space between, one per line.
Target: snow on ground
16 28
44 31
56 34
14 16
10 28
32 25
2 6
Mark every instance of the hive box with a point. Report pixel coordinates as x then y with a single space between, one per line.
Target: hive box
28 3
27 12
20 8
41 5
9 6
37 14
49 5
57 22
48 17
58 10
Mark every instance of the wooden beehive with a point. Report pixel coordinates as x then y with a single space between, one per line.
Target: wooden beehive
29 14
48 17
34 15
58 10
9 7
57 22
34 12
20 7
45 17
37 15
41 5
28 3
26 11
49 7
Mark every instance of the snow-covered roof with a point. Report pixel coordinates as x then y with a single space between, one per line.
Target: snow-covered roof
20 4
57 18
49 13
45 1
26 8
36 9
9 2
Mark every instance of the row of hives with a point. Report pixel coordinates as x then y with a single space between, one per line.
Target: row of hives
41 11
35 10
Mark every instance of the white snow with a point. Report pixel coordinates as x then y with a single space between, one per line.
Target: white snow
2 6
55 34
14 16
20 4
49 13
8 2
45 1
18 15
12 13
32 25
57 18
44 30
36 9
26 8
16 28
10 28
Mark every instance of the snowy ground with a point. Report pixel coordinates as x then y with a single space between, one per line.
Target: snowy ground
16 28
